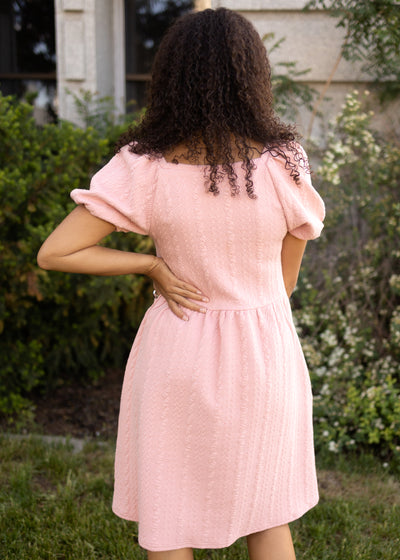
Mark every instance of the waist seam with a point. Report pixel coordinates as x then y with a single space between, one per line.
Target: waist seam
282 298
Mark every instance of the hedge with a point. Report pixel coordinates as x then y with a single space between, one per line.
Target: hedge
54 325
347 307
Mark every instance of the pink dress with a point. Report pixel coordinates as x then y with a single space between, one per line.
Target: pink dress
215 437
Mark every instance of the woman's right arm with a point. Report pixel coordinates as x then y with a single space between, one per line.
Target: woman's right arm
73 247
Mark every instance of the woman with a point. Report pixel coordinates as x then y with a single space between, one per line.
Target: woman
215 430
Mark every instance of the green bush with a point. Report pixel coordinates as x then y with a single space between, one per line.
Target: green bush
54 325
348 312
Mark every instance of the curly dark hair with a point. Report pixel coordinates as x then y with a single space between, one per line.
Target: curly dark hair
211 92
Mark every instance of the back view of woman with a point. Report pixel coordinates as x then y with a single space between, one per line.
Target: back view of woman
215 431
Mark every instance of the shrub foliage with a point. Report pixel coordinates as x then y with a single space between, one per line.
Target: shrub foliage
348 312
53 325
347 308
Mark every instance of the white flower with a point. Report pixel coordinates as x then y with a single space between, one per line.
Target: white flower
333 446
336 356
329 338
320 371
394 281
325 390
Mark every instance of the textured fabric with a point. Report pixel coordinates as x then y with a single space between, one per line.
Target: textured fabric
215 435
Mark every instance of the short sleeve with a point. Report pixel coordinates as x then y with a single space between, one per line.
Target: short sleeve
302 206
121 192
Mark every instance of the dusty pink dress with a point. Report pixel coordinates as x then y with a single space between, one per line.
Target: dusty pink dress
215 436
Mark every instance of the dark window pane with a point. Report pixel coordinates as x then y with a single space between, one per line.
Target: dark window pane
27 36
136 95
8 45
145 24
28 58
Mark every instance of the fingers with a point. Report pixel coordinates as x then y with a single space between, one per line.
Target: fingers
177 310
190 293
178 298
178 287
177 292
177 303
194 292
184 302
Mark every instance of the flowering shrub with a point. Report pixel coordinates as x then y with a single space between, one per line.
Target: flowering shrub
348 312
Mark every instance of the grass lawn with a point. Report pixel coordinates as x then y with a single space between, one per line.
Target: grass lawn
55 504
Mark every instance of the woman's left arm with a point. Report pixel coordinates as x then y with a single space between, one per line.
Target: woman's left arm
291 257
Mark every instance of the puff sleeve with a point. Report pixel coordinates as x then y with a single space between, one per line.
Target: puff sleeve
302 206
121 192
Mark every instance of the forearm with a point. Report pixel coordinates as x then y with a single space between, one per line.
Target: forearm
289 287
100 261
292 254
73 247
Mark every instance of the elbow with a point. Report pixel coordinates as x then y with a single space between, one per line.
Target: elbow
44 260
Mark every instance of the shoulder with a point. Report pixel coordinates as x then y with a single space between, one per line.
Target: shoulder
132 160
127 168
288 163
290 175
292 153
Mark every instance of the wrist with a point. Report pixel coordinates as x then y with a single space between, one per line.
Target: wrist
154 263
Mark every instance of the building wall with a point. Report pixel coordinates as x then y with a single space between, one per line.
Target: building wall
90 52
314 42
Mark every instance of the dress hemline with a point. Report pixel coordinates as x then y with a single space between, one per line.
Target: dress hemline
213 545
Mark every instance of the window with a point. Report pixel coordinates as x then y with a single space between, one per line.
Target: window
28 60
145 24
